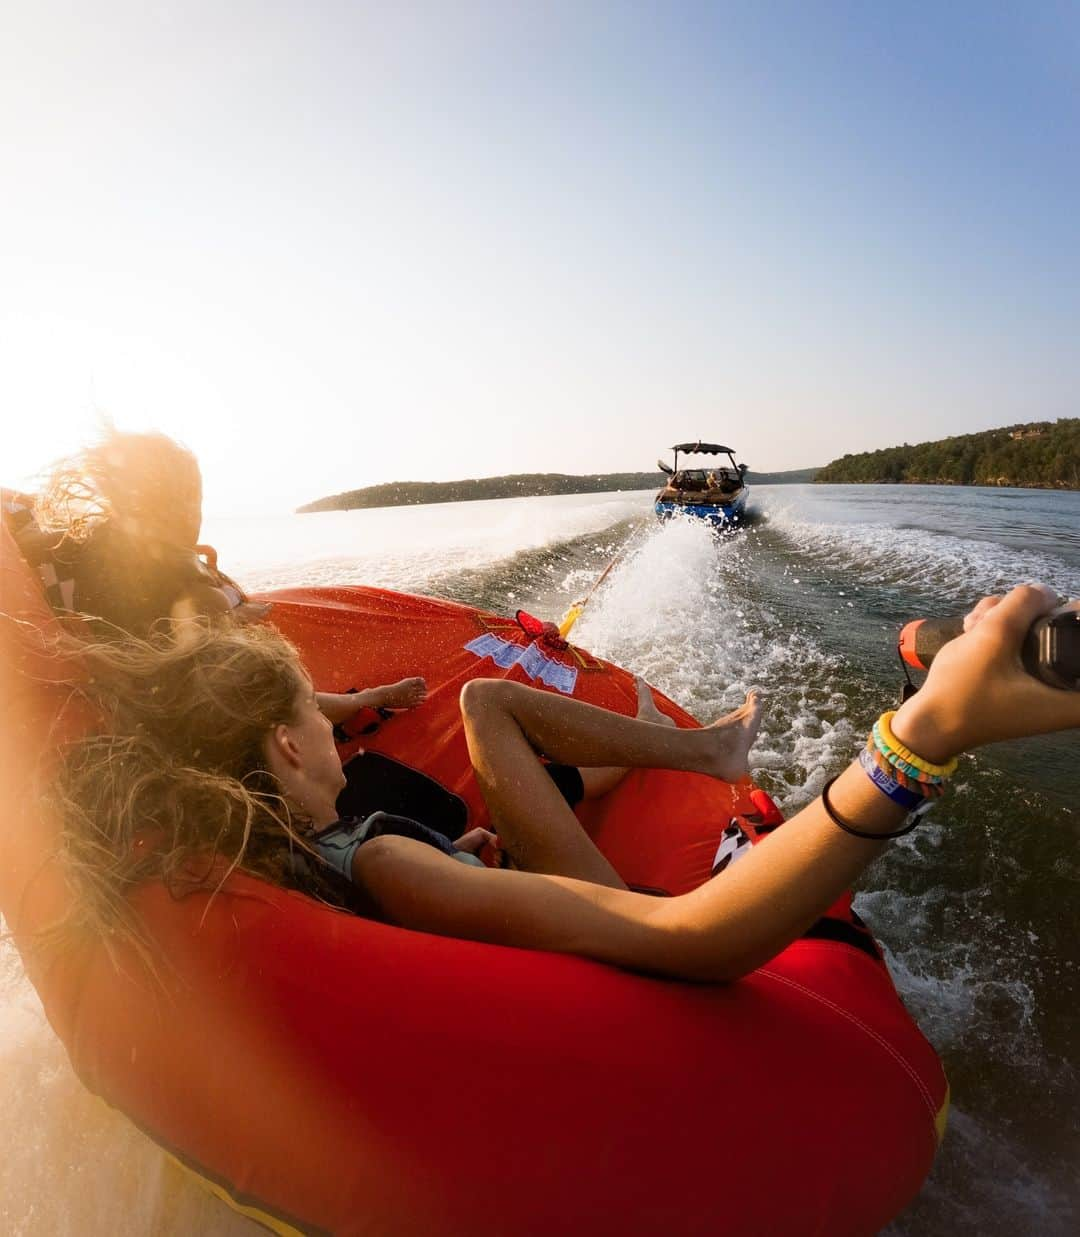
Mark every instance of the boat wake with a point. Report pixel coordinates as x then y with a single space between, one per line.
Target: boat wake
920 562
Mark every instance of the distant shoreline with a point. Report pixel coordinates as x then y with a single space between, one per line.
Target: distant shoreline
1038 455
521 485
1054 487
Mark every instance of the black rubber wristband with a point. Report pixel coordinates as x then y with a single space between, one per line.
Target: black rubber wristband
841 823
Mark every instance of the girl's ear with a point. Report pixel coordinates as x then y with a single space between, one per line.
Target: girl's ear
283 747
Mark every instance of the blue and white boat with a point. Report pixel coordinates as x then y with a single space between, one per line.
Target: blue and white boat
717 495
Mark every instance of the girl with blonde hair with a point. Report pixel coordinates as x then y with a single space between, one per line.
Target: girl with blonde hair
114 538
232 761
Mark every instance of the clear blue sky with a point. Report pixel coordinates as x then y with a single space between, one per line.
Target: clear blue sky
334 244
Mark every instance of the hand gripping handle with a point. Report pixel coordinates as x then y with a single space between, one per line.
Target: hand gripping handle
1051 649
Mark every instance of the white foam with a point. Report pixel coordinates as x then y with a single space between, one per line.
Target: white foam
406 548
972 989
677 612
947 566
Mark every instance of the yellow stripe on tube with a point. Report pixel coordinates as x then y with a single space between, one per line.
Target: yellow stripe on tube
942 1118
274 1223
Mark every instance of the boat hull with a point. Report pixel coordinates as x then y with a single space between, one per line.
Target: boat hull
719 515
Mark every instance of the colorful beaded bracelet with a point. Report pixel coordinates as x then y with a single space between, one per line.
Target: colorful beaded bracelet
883 729
898 762
909 781
928 789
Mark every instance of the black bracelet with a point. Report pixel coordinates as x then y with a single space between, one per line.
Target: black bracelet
841 823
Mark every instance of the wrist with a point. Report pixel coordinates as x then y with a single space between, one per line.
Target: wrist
859 802
921 729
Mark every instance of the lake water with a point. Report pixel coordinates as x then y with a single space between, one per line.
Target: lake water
978 911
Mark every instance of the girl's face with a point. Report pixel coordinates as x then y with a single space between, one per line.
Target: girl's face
312 733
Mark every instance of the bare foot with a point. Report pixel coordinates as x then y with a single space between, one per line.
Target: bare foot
732 737
646 706
406 694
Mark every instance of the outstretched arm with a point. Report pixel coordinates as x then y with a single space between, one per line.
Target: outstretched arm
723 930
977 692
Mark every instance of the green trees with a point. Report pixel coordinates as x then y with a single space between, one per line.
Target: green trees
1042 454
406 493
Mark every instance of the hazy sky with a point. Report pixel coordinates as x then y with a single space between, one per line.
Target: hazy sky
330 244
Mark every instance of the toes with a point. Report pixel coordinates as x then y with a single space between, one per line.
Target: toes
645 701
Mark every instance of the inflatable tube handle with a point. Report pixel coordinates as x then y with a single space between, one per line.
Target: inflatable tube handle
1050 652
922 639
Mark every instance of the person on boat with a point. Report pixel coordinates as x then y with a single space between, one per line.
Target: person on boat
231 755
114 538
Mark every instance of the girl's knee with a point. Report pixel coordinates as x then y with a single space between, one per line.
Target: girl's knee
479 696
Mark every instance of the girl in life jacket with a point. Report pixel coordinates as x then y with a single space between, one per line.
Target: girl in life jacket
237 761
114 538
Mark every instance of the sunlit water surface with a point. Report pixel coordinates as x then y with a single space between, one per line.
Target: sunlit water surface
978 911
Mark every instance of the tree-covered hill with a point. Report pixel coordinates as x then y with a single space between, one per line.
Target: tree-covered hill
1040 455
405 493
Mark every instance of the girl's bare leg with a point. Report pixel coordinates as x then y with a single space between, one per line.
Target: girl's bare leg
598 782
507 724
975 694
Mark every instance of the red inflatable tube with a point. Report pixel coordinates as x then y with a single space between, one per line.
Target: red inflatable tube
326 1073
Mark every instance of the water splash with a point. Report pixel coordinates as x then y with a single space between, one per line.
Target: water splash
680 613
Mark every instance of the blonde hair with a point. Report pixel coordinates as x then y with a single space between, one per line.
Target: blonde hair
128 510
141 481
174 782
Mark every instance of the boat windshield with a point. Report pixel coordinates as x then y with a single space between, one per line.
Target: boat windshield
705 479
690 479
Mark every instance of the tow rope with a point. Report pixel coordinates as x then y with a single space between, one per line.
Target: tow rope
574 613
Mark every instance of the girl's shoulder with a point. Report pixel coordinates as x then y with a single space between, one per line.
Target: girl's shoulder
49 553
208 560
